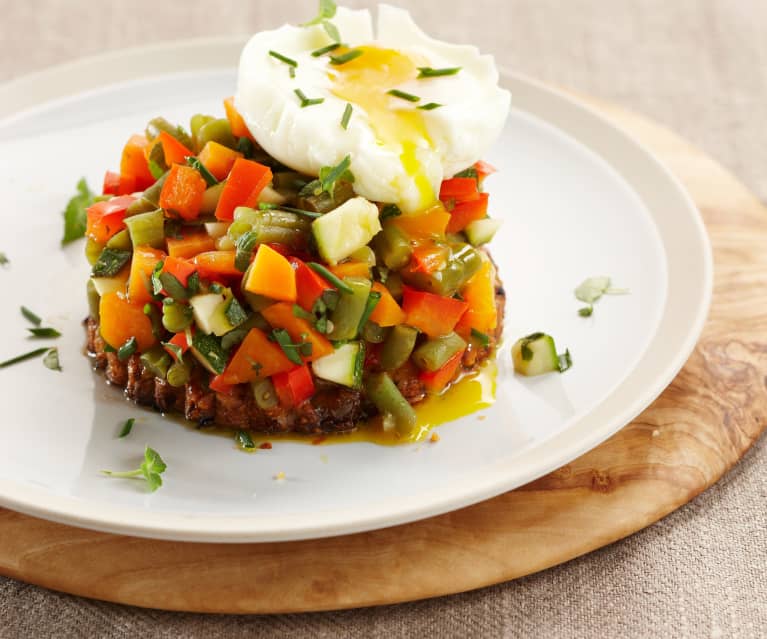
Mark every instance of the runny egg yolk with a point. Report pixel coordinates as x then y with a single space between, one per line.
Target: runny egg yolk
365 82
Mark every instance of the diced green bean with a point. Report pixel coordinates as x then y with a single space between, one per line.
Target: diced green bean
264 394
120 241
463 262
394 285
312 198
156 361
435 353
238 228
350 308
392 247
93 250
176 317
210 198
179 373
156 125
156 161
216 131
373 333
398 347
93 300
151 195
147 229
141 205
195 124
370 306
383 392
289 181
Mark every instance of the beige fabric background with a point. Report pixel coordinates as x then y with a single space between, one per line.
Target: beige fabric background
698 66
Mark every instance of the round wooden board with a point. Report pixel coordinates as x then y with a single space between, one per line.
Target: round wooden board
684 442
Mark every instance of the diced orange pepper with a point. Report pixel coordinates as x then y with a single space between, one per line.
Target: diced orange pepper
239 128
281 315
272 275
120 320
218 159
350 269
133 164
464 213
190 245
243 186
183 191
179 268
429 258
294 387
213 263
437 381
309 285
479 294
387 312
433 314
429 223
256 358
139 284
106 218
173 150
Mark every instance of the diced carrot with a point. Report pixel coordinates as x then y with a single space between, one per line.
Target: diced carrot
256 358
294 387
180 269
272 275
464 213
218 384
437 381
309 285
218 159
213 263
429 223
350 269
133 164
281 315
139 284
179 340
173 150
120 320
243 186
460 189
387 312
111 183
479 294
183 191
429 258
190 245
106 218
433 314
239 128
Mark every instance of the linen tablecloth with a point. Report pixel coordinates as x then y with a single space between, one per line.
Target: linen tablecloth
697 66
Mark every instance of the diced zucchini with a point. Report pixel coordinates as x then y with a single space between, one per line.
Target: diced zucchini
535 354
346 229
209 352
147 229
481 232
217 313
343 366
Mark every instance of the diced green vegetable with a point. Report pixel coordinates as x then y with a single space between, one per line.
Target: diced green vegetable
196 123
264 394
346 229
110 262
392 248
179 373
156 361
150 197
176 317
156 125
463 261
93 300
147 229
343 366
216 131
373 333
435 353
51 360
209 352
398 347
105 285
350 309
120 241
481 232
92 250
536 354
127 349
383 392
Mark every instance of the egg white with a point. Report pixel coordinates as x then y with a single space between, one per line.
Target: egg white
454 136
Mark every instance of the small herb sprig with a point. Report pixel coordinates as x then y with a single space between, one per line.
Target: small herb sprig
592 289
327 11
150 470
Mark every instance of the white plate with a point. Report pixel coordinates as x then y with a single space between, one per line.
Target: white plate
579 199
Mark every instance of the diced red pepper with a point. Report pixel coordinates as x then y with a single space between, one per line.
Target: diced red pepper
464 213
459 189
111 183
435 382
106 218
183 191
220 386
173 150
294 387
179 340
484 169
309 285
243 186
433 314
180 269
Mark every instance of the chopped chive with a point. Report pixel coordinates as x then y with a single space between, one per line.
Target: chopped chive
127 427
32 317
430 106
324 50
44 332
329 175
481 337
428 72
283 58
301 313
347 116
4 259
22 358
305 102
338 60
330 277
127 349
292 72
292 351
195 163
403 96
244 440
51 360
268 206
373 298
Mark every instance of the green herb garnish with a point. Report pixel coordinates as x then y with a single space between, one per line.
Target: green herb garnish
75 215
22 358
127 427
565 361
44 332
430 106
244 440
155 278
235 313
471 172
403 96
428 72
305 102
244 250
482 338
151 469
301 313
172 286
268 206
390 210
51 360
347 116
525 350
30 316
282 58
292 351
352 54
292 72
209 346
127 349
110 262
234 337
373 298
198 166
329 175
330 277
586 311
4 261
326 11
324 50
592 289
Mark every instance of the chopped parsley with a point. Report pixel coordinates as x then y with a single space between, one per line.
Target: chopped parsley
127 427
244 440
110 262
150 470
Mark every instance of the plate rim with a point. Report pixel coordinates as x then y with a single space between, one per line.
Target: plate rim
42 88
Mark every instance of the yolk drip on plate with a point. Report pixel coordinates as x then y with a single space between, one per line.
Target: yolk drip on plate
365 82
